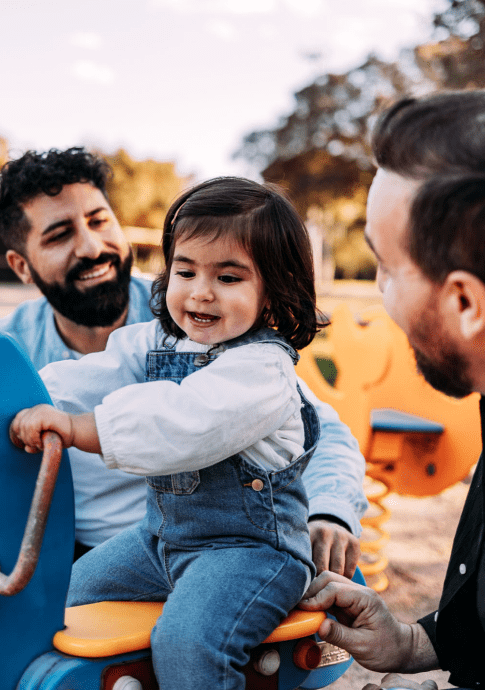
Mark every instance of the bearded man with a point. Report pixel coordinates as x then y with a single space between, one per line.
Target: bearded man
426 226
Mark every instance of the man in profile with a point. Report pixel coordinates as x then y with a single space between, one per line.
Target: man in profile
426 226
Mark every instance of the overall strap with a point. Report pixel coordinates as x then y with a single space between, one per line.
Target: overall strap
263 335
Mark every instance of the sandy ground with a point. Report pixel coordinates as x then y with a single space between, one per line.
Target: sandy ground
421 535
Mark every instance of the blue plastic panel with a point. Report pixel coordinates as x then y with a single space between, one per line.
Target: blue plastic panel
386 419
29 620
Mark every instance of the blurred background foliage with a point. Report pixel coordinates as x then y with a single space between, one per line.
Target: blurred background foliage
319 152
141 192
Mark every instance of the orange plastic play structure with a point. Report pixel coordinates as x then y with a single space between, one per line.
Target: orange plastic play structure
416 441
376 371
117 627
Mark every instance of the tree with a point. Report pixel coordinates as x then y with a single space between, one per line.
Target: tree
141 192
320 153
331 115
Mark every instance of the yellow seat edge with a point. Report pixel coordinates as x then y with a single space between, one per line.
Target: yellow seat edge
111 628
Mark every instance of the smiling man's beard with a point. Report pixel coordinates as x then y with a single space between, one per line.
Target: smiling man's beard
100 305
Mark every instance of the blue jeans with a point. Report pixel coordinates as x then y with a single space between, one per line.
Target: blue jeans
221 602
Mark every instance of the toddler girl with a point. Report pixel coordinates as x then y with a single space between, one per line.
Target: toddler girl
204 402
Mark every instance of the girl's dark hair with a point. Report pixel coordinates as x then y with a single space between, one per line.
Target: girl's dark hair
439 140
261 220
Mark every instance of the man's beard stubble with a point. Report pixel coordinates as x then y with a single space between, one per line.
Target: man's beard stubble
100 305
448 371
450 376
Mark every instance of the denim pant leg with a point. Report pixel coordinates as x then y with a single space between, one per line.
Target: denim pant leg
225 602
127 567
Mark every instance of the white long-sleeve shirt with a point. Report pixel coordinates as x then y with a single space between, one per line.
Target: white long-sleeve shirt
108 501
246 401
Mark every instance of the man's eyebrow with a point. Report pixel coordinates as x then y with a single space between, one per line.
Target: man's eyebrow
369 242
66 221
57 224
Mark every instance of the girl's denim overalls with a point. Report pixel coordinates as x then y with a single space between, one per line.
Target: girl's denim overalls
226 547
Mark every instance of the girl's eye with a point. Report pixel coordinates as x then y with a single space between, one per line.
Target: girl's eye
229 279
185 274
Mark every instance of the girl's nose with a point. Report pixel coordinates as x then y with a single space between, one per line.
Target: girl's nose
202 291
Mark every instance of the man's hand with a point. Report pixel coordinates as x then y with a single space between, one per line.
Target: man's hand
333 547
366 628
392 680
29 424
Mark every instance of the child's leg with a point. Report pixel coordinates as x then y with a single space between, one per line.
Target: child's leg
124 568
225 602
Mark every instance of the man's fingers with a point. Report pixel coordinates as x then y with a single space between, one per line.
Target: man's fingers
321 558
331 631
429 684
321 581
337 558
394 680
334 547
351 559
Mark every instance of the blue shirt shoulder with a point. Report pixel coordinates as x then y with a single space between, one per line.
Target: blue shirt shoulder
33 327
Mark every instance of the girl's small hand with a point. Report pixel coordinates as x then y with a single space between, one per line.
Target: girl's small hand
27 427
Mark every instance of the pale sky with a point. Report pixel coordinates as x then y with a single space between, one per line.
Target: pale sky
179 80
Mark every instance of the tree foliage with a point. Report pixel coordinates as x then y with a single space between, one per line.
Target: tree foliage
320 152
141 192
457 60
330 116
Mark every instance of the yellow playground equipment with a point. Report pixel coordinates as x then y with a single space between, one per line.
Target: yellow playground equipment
416 441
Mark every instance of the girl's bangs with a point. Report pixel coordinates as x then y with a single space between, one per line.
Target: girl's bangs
235 227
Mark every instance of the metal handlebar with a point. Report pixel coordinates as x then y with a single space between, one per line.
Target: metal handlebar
37 519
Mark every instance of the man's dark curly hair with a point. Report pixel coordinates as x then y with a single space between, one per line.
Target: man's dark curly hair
23 179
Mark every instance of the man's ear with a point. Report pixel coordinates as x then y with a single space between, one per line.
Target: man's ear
19 265
464 296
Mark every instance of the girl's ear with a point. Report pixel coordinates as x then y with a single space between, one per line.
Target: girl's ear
464 301
19 265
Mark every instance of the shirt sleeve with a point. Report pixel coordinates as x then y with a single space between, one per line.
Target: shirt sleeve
77 386
334 476
159 427
429 624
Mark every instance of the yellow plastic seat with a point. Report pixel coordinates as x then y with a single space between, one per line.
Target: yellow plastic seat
117 627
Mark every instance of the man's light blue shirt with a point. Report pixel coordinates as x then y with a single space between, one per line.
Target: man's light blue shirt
33 325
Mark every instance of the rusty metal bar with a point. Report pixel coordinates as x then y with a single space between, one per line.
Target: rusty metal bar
37 519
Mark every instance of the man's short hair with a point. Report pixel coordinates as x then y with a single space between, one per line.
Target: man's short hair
23 179
439 140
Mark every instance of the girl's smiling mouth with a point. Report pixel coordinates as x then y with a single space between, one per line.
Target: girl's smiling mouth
203 318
